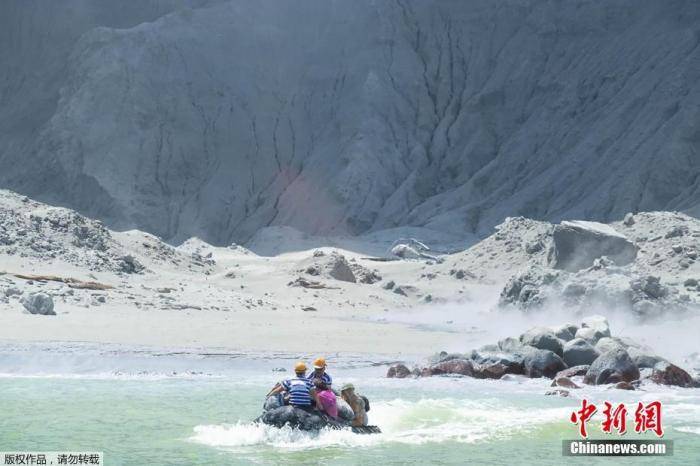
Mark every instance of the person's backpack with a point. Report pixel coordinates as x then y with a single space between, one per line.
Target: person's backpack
366 402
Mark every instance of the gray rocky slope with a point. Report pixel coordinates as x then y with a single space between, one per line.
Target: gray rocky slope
214 118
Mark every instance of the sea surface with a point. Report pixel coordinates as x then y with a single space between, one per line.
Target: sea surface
176 407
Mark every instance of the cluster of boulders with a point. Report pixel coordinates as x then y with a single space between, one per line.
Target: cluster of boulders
589 264
563 353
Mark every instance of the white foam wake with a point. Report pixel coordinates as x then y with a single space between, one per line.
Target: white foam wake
401 421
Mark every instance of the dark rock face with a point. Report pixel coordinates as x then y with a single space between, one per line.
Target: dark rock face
542 363
578 244
666 373
579 352
542 338
398 371
612 367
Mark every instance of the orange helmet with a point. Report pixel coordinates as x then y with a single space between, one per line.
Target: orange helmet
300 367
320 363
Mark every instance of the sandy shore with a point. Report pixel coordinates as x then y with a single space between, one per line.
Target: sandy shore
248 331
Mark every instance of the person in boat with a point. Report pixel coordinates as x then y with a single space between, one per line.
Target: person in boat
357 403
319 373
301 392
325 399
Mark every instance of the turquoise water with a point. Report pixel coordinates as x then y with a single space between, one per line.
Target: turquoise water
148 417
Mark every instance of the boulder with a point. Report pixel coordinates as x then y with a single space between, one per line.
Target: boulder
666 373
577 244
649 287
405 290
510 345
496 357
398 371
496 370
591 335
573 371
564 382
339 268
542 363
39 303
579 352
490 348
606 344
129 264
644 359
542 338
524 289
453 366
597 322
624 386
612 367
565 332
493 364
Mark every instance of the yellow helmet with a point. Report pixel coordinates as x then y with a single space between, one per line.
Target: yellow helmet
300 367
319 363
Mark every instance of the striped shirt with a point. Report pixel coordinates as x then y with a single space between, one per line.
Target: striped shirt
299 390
325 377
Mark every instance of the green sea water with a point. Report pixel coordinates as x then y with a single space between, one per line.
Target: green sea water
140 417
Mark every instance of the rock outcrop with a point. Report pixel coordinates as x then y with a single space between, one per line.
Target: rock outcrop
542 338
398 371
666 373
578 244
612 367
579 352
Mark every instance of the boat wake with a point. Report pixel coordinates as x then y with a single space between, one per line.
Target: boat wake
401 421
